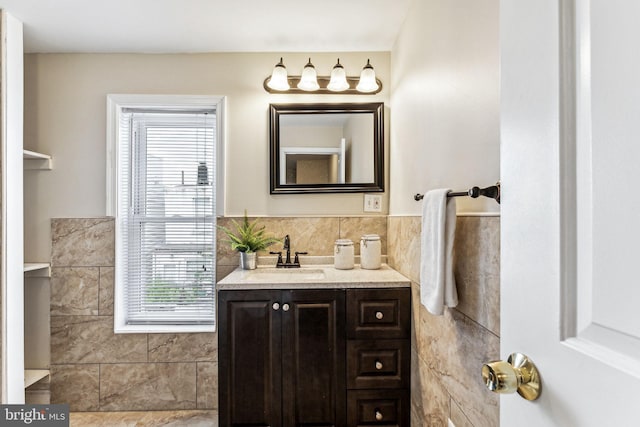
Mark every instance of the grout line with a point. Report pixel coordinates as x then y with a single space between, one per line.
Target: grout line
476 322
99 283
99 384
196 363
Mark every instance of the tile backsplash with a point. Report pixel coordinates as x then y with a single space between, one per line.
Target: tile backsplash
315 235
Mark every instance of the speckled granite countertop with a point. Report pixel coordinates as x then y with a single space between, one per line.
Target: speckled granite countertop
313 277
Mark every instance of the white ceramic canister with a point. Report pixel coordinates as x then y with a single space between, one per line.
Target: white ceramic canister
343 254
370 251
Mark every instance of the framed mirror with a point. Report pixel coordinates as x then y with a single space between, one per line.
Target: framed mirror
327 148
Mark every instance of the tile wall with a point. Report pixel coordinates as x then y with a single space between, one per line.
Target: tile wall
94 369
315 235
448 351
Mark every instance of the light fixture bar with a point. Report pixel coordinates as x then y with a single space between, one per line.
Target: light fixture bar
323 81
309 82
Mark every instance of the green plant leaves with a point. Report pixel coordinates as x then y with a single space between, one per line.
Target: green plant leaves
248 236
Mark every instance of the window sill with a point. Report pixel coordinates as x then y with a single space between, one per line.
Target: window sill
162 329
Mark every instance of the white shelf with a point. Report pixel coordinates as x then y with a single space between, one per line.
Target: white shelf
36 161
32 376
37 269
32 266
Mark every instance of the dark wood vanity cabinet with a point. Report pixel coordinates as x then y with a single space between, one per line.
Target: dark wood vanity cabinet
317 357
281 358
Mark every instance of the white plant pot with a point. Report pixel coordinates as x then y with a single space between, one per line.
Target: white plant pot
248 260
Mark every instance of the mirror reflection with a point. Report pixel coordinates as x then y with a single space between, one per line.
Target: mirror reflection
326 148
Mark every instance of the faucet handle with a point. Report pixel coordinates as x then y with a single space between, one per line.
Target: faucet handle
279 263
296 260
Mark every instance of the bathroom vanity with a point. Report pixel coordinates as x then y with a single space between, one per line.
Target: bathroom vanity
314 346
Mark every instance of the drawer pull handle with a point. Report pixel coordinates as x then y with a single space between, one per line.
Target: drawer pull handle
379 365
285 307
379 315
379 416
276 306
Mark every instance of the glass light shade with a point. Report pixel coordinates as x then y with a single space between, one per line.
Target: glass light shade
338 82
279 79
309 79
367 81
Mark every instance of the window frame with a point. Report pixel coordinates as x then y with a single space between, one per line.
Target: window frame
115 105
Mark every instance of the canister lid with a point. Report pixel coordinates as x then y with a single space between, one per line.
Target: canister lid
344 242
369 237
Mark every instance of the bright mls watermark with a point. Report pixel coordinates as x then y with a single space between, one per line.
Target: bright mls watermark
34 415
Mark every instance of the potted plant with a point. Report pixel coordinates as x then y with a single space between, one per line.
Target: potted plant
248 238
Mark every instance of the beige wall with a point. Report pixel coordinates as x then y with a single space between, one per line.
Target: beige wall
445 88
65 116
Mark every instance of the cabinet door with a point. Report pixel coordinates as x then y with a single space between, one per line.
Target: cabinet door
314 358
249 341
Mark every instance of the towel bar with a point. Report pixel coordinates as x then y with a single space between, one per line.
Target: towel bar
492 191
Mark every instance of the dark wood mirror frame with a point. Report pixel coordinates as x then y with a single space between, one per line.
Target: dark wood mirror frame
376 109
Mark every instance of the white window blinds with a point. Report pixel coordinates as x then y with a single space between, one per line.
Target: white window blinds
166 220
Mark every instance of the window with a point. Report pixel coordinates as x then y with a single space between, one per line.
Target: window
163 180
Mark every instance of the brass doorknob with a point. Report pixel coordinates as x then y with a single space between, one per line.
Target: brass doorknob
518 373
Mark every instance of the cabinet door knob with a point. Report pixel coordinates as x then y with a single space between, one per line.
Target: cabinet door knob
379 416
379 365
276 306
379 315
285 307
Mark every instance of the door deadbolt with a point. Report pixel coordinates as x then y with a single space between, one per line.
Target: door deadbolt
517 374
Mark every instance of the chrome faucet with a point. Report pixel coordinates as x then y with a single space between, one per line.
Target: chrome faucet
287 262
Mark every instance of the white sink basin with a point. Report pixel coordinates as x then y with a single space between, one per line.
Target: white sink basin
283 275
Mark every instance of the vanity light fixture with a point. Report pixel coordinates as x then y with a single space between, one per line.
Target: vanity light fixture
279 80
310 82
367 79
338 81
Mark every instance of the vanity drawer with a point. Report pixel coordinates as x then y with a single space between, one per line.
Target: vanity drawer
378 313
378 408
378 364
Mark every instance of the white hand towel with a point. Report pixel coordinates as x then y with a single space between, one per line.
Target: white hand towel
437 282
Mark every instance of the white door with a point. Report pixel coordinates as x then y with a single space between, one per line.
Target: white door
570 166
